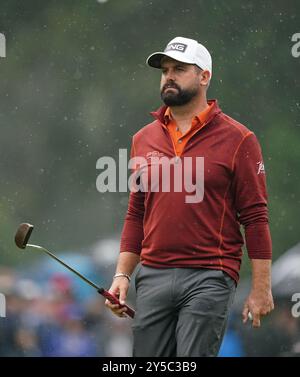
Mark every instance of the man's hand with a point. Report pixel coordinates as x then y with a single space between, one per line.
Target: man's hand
259 303
119 288
127 262
260 300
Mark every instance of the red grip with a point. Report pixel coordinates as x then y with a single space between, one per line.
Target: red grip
114 300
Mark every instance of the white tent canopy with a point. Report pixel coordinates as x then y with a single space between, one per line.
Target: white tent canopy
286 273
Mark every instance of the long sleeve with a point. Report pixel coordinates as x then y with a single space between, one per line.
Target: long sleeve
133 230
250 193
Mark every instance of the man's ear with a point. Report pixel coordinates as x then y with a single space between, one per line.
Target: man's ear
205 78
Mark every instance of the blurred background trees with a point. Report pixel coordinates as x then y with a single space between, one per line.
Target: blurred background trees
75 87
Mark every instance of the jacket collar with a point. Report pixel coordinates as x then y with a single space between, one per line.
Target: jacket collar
159 114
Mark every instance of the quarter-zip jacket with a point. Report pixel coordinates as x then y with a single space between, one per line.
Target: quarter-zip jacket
169 232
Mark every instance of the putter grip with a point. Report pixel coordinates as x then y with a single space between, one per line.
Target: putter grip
114 300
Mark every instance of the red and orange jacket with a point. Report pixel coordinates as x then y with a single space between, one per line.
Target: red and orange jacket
168 232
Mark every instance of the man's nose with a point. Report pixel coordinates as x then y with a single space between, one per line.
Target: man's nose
170 76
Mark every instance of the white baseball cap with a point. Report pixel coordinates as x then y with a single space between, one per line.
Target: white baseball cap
184 50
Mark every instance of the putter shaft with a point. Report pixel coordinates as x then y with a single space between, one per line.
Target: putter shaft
100 290
65 265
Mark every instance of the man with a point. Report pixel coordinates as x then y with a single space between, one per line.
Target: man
190 251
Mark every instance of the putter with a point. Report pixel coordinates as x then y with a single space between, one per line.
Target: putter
21 239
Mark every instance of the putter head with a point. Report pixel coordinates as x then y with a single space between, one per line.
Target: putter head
23 234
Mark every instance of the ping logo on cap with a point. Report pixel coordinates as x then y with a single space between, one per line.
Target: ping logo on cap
176 46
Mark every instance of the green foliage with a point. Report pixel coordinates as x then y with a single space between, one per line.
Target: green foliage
75 87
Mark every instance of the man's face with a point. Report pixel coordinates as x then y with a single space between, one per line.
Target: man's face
180 82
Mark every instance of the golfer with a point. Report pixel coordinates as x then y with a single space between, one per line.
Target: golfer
190 247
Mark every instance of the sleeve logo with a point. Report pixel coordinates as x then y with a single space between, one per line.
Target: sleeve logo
261 167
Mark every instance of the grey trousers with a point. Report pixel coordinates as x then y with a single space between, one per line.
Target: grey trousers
180 312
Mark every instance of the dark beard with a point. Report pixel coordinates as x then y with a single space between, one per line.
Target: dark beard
179 98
